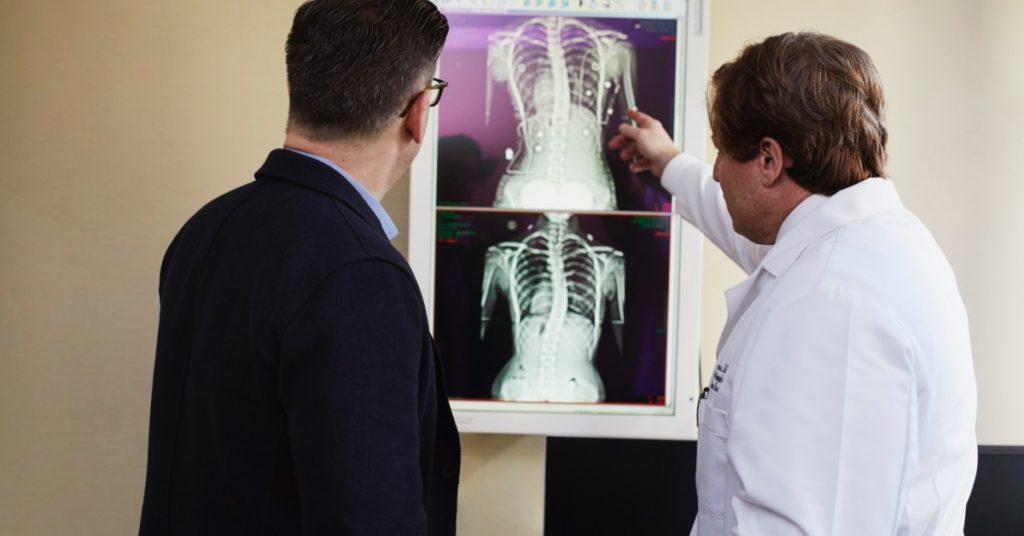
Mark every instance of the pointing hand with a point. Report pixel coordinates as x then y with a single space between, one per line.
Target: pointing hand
645 143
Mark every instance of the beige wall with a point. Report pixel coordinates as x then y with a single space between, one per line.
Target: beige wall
119 118
955 87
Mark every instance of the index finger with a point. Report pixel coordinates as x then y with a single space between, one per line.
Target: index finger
629 131
619 141
642 120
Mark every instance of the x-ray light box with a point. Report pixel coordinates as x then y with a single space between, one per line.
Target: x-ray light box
563 289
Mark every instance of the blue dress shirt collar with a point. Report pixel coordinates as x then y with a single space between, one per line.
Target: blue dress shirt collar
385 220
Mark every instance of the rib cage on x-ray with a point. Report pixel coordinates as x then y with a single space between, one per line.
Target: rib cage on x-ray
563 76
558 286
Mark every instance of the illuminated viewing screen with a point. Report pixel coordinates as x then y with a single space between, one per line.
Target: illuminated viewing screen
554 271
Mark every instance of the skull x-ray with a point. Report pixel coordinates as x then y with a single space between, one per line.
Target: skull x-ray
557 316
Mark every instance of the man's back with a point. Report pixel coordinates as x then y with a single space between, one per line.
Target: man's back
888 281
847 398
295 387
894 260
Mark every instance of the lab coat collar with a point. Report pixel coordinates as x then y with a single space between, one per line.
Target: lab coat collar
821 216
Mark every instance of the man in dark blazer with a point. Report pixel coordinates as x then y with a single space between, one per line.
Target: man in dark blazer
297 388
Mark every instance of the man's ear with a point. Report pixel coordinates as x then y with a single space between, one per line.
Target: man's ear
416 120
771 160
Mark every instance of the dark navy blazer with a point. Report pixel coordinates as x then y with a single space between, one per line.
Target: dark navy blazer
297 388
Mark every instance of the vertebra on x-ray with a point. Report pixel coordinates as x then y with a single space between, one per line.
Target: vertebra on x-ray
500 269
562 73
559 286
539 98
530 96
563 76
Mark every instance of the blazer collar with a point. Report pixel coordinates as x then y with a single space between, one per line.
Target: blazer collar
862 200
289 166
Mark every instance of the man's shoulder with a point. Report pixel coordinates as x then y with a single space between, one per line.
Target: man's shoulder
889 246
305 230
889 259
308 224
287 238
219 208
287 216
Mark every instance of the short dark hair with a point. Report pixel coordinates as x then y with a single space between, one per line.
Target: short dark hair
819 97
353 65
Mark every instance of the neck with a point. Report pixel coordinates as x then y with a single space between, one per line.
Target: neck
785 206
368 161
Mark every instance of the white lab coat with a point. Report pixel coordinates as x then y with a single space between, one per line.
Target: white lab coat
843 400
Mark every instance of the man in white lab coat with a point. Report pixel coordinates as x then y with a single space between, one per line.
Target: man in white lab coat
843 400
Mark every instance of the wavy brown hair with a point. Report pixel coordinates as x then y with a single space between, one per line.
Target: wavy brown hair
819 97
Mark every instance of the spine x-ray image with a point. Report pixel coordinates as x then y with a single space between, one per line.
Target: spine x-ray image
563 76
558 286
555 320
541 307
537 99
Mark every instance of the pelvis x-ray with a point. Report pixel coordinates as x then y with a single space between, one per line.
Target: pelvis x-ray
553 300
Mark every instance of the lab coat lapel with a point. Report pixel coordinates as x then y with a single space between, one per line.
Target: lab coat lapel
738 300
864 199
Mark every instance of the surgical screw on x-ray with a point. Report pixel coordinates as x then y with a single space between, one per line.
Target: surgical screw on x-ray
563 76
558 286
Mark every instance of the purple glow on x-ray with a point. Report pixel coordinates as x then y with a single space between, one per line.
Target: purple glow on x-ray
632 374
472 152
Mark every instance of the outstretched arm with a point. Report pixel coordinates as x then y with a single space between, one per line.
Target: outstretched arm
699 196
702 204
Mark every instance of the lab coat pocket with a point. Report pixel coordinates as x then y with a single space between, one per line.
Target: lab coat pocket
711 462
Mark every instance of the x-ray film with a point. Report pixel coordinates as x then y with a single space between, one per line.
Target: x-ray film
536 100
553 307
562 288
